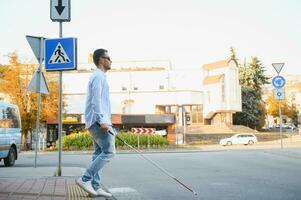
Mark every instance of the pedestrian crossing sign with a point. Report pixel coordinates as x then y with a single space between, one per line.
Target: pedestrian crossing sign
60 54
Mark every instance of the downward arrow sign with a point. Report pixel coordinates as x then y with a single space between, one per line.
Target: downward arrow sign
59 8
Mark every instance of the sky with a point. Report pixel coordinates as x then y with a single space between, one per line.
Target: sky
185 33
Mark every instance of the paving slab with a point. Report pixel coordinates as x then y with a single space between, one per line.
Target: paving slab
52 188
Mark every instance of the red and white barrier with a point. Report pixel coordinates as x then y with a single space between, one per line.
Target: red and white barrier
140 131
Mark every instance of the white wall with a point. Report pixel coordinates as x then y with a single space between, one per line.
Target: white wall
212 98
233 89
232 94
145 98
75 83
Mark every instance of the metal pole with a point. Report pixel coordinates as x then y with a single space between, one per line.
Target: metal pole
280 124
138 140
39 102
59 171
184 125
148 144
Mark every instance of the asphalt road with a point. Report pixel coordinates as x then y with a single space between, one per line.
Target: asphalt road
227 174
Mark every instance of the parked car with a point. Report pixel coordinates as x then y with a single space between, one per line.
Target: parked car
243 138
10 133
291 127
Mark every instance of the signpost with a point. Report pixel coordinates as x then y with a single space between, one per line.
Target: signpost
38 83
60 54
279 92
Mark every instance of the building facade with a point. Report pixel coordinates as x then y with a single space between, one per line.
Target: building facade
222 92
209 95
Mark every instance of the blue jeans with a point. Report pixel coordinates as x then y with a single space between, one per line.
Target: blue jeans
104 149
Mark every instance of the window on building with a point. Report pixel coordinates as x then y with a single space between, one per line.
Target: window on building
135 88
166 109
197 114
123 88
161 87
160 110
174 109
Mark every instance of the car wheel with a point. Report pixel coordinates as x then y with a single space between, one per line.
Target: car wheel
11 157
229 143
251 142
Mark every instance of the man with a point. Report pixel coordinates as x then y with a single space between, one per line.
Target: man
98 122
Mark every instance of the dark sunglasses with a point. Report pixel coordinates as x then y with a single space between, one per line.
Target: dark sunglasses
108 58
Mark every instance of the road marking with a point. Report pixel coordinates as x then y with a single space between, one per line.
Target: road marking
122 190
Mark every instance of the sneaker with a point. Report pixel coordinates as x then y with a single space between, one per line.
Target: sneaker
101 192
87 186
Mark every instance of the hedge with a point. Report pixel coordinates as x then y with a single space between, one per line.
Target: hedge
83 140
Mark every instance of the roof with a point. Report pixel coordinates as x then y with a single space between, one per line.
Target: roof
213 79
217 64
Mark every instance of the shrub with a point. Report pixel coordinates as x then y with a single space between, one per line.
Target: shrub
132 139
77 141
83 140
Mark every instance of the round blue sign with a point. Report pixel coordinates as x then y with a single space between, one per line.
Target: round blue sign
278 81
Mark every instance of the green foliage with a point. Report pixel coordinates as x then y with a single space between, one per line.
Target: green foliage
77 141
132 139
83 140
252 80
252 76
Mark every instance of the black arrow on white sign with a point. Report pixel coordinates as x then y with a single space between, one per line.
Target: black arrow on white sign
60 8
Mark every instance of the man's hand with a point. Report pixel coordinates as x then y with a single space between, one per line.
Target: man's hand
104 128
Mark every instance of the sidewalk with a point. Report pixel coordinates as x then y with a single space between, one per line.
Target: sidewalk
40 184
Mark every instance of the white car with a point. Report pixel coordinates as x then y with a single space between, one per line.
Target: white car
243 138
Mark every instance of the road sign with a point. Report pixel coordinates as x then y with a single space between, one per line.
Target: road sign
36 45
60 10
278 81
278 67
279 94
143 130
33 86
61 54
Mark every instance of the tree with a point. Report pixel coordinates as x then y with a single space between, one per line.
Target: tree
15 79
252 76
286 109
2 69
252 79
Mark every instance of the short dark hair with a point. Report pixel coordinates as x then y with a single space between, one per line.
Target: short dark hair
97 54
